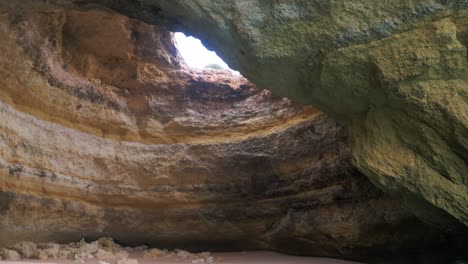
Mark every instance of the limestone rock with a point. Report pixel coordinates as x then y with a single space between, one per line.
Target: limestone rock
47 250
104 243
105 132
104 248
154 253
396 71
9 254
25 249
104 254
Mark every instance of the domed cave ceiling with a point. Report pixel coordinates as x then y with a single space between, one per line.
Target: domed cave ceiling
104 131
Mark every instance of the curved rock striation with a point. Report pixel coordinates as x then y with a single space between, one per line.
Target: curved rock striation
396 71
105 132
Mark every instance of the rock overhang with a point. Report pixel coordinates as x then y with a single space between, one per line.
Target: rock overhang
137 133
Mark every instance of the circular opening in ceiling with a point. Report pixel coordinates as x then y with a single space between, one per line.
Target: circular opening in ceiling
196 55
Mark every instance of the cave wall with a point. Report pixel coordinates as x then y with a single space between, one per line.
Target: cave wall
395 71
105 132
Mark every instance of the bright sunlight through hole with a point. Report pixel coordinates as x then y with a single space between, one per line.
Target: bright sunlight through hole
196 55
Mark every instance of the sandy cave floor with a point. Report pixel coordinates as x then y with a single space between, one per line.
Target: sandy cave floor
258 257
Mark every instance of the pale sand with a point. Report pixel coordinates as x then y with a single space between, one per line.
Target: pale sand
257 257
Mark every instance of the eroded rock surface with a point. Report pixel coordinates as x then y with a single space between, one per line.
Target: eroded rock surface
105 132
396 71
104 249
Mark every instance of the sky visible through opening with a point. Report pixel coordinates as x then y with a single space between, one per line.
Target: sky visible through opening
195 54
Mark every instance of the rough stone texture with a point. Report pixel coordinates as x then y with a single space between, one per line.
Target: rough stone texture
8 254
395 70
97 251
104 131
103 248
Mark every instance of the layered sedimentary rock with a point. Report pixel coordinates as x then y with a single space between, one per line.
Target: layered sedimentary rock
104 131
396 71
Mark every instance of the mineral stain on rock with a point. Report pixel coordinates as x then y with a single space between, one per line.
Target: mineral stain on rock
104 131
